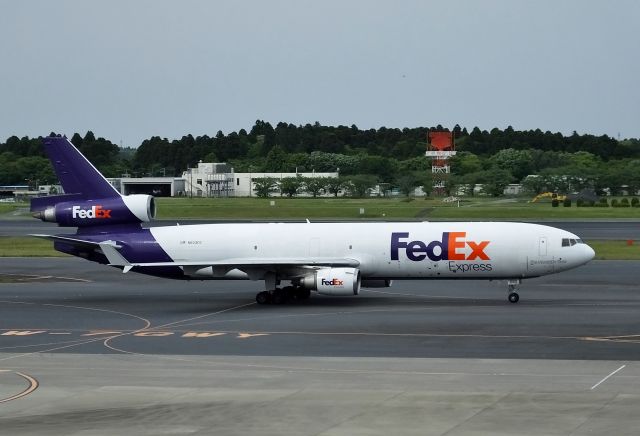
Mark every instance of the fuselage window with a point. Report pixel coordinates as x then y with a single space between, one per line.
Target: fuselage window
565 242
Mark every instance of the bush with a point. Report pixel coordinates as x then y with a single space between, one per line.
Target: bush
555 202
566 202
635 202
624 202
602 203
614 202
580 203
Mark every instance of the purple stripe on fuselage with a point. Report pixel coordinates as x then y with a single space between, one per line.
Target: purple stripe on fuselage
137 246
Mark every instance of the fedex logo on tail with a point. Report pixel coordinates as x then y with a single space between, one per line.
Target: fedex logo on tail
453 246
94 212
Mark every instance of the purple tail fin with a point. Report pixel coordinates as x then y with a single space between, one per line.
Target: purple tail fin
76 174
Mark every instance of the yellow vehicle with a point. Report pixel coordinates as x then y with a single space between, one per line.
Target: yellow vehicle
552 195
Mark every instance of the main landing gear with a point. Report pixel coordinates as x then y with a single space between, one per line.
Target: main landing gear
513 295
282 295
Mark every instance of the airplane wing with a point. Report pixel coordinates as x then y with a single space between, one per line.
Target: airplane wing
115 258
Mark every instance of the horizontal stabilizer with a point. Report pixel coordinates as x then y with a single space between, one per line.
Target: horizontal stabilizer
67 240
108 248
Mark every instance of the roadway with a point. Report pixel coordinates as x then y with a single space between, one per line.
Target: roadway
88 350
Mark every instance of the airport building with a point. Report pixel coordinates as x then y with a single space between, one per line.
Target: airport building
207 179
156 186
220 180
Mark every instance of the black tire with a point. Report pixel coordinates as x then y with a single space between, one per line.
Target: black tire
289 292
514 297
302 293
263 297
278 297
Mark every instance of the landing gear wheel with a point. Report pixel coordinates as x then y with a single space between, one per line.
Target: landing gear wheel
279 296
514 297
302 293
263 297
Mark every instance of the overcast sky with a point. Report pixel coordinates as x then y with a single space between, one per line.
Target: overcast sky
128 70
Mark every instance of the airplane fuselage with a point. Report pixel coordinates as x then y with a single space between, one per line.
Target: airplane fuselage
399 250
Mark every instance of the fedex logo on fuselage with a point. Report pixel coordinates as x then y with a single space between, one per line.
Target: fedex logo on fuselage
95 212
453 246
332 282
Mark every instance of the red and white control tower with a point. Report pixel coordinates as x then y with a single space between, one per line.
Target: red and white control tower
440 148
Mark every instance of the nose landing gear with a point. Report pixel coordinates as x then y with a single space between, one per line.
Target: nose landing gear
513 295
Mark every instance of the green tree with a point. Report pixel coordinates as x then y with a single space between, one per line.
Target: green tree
314 185
335 185
384 168
263 186
534 184
276 160
495 182
427 183
408 182
517 162
291 186
361 185
465 162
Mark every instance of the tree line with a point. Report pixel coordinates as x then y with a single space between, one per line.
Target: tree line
389 155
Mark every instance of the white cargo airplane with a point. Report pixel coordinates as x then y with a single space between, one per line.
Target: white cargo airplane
328 258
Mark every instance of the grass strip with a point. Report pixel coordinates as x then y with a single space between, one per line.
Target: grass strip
382 208
27 246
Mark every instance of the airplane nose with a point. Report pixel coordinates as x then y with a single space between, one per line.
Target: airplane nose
589 253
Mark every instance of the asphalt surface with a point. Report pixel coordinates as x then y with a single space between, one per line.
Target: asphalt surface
589 230
85 350
588 313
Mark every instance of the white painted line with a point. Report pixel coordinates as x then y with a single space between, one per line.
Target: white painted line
605 379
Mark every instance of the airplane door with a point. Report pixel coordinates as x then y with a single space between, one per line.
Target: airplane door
543 263
542 246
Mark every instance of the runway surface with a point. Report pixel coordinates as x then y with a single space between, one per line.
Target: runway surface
587 229
85 349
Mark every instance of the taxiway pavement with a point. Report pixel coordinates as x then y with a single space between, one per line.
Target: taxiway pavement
85 349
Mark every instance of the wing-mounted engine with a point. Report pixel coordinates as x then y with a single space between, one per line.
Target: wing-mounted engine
333 281
130 209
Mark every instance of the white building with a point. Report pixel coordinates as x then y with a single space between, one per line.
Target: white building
211 179
156 186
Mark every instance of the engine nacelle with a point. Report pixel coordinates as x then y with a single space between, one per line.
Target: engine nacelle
376 283
130 209
334 281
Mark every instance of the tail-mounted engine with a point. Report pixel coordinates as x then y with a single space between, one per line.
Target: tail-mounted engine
130 209
333 281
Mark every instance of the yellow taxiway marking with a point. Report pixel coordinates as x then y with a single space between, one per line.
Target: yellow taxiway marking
250 335
33 385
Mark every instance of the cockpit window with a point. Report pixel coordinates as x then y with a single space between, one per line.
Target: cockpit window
569 242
